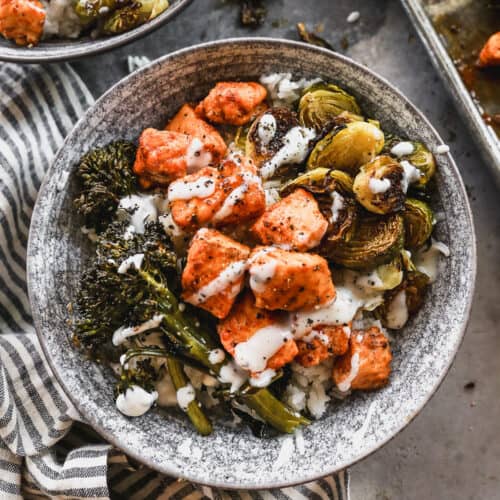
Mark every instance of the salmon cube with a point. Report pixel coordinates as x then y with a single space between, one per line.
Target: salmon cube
295 223
187 122
214 272
232 103
22 21
164 156
196 198
245 197
367 363
490 53
290 281
246 320
323 343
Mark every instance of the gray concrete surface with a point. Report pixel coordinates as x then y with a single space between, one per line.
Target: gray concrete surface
452 449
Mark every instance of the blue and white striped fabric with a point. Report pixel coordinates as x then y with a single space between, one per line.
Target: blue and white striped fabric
46 451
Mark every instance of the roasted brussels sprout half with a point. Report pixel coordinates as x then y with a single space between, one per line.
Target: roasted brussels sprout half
420 157
347 148
333 192
130 16
379 186
403 301
385 277
375 241
265 136
418 220
322 102
91 10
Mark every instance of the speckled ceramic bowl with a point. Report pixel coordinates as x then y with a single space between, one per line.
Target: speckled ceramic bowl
233 458
66 49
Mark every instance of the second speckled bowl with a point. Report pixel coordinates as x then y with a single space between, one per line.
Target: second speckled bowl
233 458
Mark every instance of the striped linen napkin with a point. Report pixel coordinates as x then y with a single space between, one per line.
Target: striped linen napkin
46 450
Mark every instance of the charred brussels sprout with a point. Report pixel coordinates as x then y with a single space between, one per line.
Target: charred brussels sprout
320 180
379 186
424 160
347 148
91 10
403 301
266 135
322 102
130 16
375 241
418 218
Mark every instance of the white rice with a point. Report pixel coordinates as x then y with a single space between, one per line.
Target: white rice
61 19
282 90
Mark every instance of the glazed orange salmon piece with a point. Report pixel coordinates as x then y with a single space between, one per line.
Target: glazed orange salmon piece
22 21
367 363
325 342
490 53
232 103
295 223
244 320
245 198
196 198
214 272
290 281
186 122
164 156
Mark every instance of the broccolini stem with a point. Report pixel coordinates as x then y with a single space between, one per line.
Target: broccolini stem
273 411
194 410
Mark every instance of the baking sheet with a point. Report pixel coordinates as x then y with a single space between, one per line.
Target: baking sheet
427 15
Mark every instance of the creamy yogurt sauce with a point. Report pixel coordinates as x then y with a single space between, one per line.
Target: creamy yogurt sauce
226 278
184 190
135 401
403 148
411 174
134 261
261 274
144 211
338 204
185 395
232 374
266 129
397 312
254 354
216 356
427 260
378 186
294 150
262 379
124 332
197 157
345 385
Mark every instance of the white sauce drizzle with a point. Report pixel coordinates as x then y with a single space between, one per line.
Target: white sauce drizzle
345 385
136 401
226 278
124 332
294 150
427 261
397 312
263 344
337 205
261 274
185 395
403 148
185 190
262 379
317 334
145 211
134 261
197 157
378 186
216 356
411 174
232 374
442 149
266 129
353 16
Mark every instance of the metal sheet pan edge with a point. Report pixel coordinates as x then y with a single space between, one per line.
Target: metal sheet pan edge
486 138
